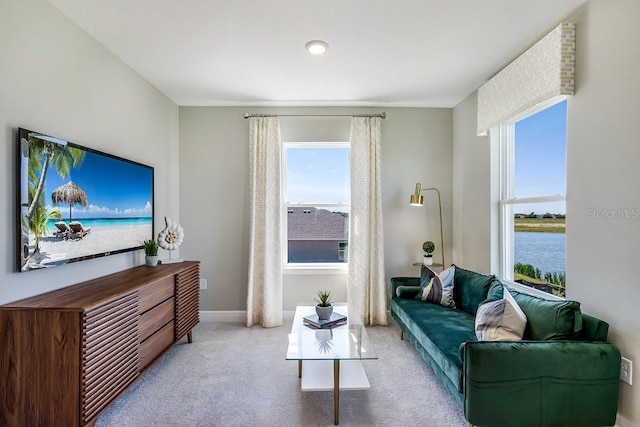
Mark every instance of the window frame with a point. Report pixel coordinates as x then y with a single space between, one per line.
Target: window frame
506 135
314 267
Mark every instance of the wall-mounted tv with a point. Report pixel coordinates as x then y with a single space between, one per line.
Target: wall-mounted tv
75 203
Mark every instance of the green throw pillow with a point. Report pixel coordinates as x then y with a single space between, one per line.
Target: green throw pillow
549 319
470 289
495 291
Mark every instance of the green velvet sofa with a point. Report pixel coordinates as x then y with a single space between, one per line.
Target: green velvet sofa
563 372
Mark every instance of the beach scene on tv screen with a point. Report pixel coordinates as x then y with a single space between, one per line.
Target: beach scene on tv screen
82 204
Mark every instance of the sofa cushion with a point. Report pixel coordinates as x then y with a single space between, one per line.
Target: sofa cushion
495 290
470 289
499 318
593 329
549 319
440 330
437 288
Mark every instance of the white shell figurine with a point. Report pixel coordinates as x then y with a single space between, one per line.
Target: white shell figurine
170 238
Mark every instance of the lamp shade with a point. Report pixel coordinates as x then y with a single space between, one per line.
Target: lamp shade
416 198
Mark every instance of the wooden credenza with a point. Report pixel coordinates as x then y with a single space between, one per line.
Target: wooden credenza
67 354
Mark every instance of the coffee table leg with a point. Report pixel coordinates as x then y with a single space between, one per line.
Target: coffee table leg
299 368
336 391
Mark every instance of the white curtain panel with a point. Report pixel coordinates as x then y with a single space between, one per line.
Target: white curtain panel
264 290
366 287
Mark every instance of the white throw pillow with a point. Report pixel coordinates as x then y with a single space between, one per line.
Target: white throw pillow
500 320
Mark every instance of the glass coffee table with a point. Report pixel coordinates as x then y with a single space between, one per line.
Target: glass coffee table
332 356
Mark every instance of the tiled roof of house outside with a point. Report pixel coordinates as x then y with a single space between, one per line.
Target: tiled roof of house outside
316 224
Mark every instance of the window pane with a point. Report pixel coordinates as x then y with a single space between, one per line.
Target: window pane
318 174
539 246
540 146
317 235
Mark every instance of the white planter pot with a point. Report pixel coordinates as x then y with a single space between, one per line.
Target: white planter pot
324 313
427 260
151 261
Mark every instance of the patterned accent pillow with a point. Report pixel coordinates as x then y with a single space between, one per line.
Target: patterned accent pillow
437 288
500 318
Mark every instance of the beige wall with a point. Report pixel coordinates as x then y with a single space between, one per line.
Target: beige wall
472 190
603 125
57 80
214 192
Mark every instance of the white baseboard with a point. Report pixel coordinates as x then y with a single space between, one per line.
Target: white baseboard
239 316
224 316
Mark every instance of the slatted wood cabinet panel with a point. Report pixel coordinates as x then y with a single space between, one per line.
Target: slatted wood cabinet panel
66 355
187 302
109 353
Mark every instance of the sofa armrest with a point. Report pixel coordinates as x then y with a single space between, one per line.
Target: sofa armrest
540 383
396 282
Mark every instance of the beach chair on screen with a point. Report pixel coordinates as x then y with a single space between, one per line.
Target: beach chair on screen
63 230
78 231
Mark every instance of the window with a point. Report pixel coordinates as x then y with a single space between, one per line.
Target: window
317 199
342 252
532 199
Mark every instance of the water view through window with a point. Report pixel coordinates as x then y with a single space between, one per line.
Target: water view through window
539 227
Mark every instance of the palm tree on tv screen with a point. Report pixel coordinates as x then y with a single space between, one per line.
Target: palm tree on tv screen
62 158
40 219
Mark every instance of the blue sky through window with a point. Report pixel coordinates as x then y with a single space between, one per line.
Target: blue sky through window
540 153
318 175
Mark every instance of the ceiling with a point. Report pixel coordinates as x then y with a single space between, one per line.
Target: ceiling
412 53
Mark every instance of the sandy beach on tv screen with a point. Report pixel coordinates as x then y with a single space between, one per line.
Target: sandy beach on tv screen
99 240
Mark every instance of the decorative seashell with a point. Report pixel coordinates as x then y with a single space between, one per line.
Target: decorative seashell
171 237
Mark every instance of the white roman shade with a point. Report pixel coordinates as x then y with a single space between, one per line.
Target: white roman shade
544 72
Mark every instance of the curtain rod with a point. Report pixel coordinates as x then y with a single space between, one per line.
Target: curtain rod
382 115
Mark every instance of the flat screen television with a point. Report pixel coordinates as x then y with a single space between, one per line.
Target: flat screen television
75 203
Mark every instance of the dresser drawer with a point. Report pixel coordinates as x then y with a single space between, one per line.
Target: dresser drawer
156 292
153 346
156 318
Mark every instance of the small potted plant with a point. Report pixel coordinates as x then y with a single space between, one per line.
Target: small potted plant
428 247
323 306
151 252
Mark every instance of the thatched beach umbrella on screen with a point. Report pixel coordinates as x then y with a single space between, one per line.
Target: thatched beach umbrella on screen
70 194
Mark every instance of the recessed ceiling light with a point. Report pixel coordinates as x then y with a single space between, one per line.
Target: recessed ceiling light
316 47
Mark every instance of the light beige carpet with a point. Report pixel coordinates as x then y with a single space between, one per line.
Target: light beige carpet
237 376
